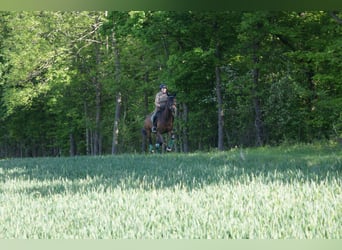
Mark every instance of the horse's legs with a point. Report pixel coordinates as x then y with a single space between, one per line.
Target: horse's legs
159 141
150 146
171 142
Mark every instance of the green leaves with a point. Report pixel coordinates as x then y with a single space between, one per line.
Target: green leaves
286 65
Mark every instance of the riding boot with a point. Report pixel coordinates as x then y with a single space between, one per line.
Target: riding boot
154 128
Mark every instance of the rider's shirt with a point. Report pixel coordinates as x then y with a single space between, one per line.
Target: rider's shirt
160 100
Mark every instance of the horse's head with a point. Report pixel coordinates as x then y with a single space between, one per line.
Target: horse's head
171 104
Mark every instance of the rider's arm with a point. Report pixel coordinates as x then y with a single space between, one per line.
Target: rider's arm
156 101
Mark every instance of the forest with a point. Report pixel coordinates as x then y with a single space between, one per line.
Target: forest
82 82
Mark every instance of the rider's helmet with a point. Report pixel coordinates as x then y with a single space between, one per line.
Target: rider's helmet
162 86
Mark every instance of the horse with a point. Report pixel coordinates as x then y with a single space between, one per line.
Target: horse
164 125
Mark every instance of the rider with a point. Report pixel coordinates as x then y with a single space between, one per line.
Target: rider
160 102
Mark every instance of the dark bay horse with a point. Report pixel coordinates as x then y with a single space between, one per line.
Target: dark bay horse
164 125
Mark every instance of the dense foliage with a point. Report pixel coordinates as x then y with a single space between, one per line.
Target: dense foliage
82 82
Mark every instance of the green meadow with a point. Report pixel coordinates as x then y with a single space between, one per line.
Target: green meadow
265 193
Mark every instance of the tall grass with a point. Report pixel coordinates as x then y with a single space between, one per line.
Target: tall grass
268 193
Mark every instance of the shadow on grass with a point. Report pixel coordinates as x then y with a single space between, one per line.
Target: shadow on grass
49 176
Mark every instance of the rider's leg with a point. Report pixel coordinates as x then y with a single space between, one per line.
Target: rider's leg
154 128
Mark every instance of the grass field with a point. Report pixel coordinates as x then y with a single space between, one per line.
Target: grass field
264 193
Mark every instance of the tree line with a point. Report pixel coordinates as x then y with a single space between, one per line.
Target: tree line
81 83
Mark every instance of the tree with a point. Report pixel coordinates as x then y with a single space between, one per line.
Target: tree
82 82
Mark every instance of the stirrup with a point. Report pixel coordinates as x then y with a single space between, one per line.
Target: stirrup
154 129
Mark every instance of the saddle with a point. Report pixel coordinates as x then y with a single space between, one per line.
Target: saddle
153 114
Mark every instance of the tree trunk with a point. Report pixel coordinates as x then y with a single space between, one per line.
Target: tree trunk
256 104
97 133
117 79
87 132
219 102
115 141
185 130
72 145
220 109
98 90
